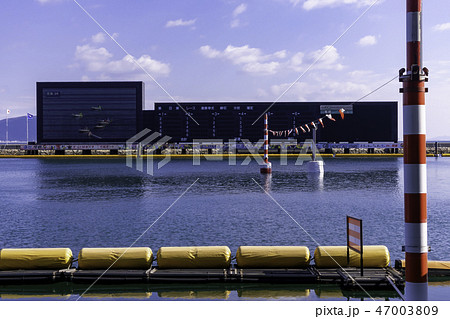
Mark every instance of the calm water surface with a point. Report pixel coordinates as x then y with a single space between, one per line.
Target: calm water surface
101 203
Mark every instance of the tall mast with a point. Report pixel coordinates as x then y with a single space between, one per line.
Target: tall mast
414 159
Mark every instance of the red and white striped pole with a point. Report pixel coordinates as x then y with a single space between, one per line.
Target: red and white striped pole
414 158
267 169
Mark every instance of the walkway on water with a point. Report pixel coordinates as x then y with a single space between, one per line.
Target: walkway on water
347 278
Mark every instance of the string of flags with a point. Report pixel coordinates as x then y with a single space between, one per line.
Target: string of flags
305 128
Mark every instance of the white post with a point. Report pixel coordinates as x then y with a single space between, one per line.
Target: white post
6 127
315 166
27 127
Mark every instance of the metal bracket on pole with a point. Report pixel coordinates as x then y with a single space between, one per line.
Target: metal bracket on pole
404 248
415 74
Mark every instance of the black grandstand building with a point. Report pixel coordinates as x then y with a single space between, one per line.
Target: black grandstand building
364 121
112 112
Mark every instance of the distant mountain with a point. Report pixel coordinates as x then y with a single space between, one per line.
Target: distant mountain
17 129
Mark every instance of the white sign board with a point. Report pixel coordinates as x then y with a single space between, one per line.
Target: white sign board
334 109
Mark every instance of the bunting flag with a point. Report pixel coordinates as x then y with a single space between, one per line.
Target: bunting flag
313 123
341 111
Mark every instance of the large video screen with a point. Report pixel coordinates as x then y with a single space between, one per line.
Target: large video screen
88 111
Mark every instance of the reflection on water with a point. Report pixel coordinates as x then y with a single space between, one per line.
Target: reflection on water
86 180
117 295
438 290
316 180
103 203
190 294
329 292
75 180
332 292
267 182
203 291
6 296
274 292
59 291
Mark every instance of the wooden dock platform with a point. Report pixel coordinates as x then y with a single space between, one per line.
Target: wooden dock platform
347 278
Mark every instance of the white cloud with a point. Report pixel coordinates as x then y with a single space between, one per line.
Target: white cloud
95 58
296 61
240 9
321 88
100 60
261 93
317 4
295 2
99 37
261 68
180 23
299 91
368 40
236 12
48 1
209 52
280 54
251 60
235 23
442 27
346 88
243 54
349 86
329 58
360 74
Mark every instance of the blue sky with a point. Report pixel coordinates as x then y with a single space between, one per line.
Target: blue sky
222 50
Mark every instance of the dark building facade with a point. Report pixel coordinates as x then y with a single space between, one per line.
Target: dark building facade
88 112
364 121
112 112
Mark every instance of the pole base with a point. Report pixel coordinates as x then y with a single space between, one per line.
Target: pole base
267 169
315 166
